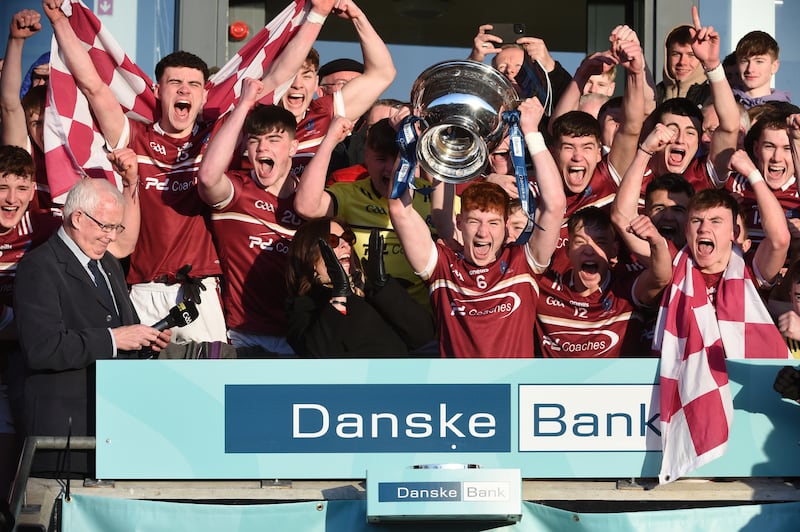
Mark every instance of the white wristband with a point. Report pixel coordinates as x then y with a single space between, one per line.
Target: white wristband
716 74
754 177
315 18
535 142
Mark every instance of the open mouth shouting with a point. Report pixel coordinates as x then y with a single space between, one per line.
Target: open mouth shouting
344 260
590 267
576 177
705 247
10 216
182 108
482 251
776 175
263 166
676 158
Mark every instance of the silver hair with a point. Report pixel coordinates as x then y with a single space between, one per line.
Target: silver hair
87 193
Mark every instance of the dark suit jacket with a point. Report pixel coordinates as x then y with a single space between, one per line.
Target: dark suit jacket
63 329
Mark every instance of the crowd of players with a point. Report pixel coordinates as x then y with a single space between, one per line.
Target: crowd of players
275 219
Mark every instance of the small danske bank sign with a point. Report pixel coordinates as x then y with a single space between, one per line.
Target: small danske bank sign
356 418
443 491
465 494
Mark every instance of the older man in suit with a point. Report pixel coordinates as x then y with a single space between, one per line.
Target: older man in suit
73 308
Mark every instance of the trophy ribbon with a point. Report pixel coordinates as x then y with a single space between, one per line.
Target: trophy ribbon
517 148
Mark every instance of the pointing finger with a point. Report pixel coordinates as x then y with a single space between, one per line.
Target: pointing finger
696 18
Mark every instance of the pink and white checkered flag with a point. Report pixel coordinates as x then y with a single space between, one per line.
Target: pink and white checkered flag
252 61
694 338
75 148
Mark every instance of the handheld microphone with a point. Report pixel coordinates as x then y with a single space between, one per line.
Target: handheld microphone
180 315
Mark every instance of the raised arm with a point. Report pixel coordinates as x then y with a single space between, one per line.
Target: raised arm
651 282
212 184
290 60
626 203
109 115
771 253
626 48
361 92
723 142
311 200
413 232
597 63
126 163
15 131
552 202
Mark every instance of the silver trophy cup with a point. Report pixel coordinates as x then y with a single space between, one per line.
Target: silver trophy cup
460 103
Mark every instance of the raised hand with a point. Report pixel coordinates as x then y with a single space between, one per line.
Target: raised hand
347 9
658 139
531 112
626 48
52 9
642 226
537 50
252 89
373 265
787 383
339 129
24 24
485 43
705 44
336 273
741 163
597 63
126 164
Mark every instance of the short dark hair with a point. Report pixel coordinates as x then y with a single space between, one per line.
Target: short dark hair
589 217
485 196
576 124
671 182
680 107
794 272
611 103
770 119
17 161
34 99
757 42
675 106
181 59
266 118
772 106
714 197
381 138
679 35
313 58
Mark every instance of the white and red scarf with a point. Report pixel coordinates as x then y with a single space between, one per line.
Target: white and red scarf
694 338
75 148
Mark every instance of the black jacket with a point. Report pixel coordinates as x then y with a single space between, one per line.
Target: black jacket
383 324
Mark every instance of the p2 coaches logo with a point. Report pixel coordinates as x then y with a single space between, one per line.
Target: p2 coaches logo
355 418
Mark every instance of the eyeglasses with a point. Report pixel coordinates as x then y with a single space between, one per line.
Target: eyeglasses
106 228
336 85
347 236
